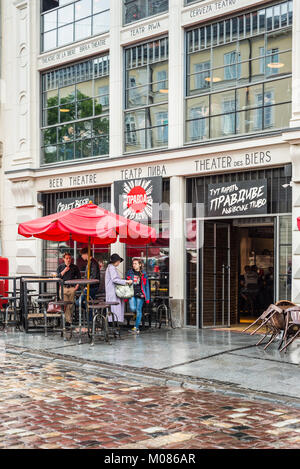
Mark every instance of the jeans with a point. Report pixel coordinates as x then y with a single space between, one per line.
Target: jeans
136 306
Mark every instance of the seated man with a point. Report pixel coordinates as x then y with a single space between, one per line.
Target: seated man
68 271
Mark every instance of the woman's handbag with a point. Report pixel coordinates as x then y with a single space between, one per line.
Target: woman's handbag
124 291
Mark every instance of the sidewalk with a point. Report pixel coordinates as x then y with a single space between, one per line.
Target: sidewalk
213 357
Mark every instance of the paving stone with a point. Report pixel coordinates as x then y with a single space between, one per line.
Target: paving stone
87 408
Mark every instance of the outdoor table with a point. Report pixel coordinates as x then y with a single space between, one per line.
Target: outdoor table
84 282
10 309
41 281
98 308
163 307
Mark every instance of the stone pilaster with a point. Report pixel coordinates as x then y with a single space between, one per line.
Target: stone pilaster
116 81
176 80
177 258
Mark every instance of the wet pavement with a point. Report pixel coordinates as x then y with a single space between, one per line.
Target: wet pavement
218 355
50 403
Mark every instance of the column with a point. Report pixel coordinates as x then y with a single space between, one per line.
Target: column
295 153
116 81
117 248
295 121
177 245
176 75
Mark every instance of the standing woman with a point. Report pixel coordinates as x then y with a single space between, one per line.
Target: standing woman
112 278
141 291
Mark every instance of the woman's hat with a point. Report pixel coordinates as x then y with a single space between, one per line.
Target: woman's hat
114 258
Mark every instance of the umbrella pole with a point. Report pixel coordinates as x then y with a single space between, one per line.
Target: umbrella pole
89 267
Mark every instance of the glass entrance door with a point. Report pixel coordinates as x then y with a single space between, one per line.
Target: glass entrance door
208 279
215 278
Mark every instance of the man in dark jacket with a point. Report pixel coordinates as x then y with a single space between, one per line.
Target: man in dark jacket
94 271
68 271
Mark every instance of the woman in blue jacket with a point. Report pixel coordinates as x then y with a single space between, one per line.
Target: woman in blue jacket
141 291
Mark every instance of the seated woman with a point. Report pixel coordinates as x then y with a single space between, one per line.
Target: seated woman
141 291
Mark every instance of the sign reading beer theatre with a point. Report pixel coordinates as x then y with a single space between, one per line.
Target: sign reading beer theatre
134 198
237 198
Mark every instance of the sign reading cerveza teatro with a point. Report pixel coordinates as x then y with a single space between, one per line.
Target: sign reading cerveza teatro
135 199
68 203
237 198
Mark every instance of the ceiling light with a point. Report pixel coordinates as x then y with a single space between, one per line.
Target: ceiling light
164 91
214 80
64 110
275 65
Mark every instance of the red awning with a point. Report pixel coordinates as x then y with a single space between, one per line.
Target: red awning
88 223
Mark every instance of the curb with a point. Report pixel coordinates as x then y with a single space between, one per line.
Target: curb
156 377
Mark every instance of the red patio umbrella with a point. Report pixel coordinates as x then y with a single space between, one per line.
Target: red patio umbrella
88 224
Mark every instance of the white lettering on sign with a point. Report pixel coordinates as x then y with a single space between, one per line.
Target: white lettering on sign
149 171
74 51
144 29
257 158
71 181
239 197
213 7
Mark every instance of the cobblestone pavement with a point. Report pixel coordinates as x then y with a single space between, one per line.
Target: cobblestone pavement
47 404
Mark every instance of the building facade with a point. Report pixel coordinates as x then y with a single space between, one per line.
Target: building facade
204 95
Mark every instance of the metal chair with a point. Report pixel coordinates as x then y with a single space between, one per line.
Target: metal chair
292 329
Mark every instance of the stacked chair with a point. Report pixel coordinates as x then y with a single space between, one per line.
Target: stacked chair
283 318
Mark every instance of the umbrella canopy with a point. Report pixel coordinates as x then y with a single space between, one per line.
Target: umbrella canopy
88 224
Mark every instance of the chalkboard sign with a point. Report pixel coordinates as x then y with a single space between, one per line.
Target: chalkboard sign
237 198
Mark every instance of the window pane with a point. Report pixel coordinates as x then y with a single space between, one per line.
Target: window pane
100 5
50 155
65 35
223 102
246 97
49 21
249 121
100 146
197 108
84 90
50 117
66 133
49 136
82 9
67 94
83 130
49 40
136 140
101 23
85 108
83 29
66 152
66 15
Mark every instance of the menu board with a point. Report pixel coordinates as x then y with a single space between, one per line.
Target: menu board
237 198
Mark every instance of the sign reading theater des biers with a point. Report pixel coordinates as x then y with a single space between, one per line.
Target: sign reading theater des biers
135 198
237 198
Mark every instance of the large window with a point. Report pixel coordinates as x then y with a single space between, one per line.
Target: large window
135 10
239 75
75 115
146 97
66 21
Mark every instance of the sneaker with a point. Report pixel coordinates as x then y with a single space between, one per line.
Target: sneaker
137 331
134 330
